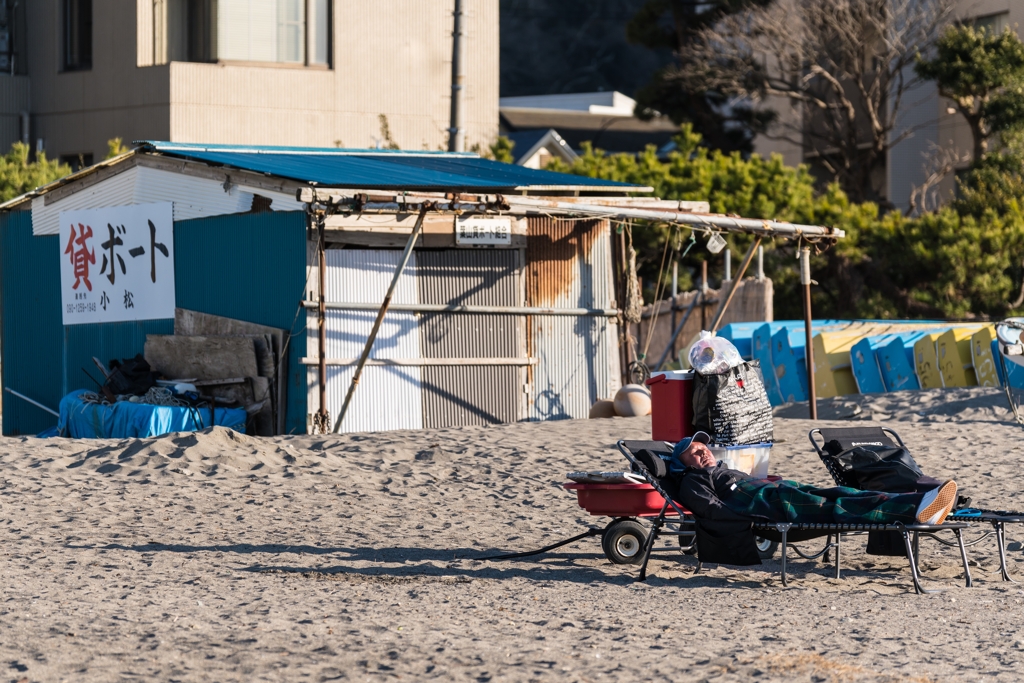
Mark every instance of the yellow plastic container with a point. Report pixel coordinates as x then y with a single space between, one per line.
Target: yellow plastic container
833 371
926 362
953 351
981 354
833 375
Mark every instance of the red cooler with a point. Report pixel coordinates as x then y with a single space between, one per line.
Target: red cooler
671 405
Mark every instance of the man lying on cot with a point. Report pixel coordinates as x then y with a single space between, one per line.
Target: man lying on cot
725 502
706 487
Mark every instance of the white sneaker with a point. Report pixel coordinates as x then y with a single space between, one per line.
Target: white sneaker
936 504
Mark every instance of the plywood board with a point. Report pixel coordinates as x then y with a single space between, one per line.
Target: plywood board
201 357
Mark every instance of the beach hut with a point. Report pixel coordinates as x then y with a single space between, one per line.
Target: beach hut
457 290
534 335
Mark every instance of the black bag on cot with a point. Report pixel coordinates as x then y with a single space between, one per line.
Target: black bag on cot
733 406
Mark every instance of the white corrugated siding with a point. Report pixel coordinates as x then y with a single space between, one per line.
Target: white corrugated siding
193 197
387 397
118 190
577 363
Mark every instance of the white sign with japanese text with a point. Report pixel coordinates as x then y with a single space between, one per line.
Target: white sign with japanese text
117 264
483 230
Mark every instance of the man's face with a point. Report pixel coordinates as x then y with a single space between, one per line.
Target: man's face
697 455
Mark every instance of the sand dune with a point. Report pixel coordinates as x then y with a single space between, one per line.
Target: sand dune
217 556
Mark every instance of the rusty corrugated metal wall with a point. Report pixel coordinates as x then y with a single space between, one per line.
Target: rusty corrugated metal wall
569 265
471 394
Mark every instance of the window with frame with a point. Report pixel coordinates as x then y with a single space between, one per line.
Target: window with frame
263 31
76 24
993 24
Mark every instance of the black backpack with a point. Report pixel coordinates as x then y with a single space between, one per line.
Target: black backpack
876 468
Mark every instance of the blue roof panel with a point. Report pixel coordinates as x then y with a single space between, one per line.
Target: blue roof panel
383 169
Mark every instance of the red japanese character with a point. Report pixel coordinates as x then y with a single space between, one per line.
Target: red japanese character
81 257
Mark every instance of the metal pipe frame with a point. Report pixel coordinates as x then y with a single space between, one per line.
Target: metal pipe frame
446 308
417 362
540 206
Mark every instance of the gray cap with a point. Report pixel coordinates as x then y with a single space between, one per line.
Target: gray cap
701 437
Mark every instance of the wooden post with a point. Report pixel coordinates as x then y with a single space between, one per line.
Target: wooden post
323 418
805 280
703 294
675 308
735 283
624 330
417 229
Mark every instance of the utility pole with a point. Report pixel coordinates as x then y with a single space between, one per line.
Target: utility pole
456 133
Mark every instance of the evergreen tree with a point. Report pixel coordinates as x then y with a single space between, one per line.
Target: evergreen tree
983 74
18 175
961 261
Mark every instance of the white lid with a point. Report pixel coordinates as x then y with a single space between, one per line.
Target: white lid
674 374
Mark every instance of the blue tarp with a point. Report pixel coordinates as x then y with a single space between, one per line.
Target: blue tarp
124 419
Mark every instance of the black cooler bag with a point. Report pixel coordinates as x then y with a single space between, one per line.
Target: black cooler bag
733 406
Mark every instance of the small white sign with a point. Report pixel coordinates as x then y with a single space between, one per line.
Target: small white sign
117 264
483 230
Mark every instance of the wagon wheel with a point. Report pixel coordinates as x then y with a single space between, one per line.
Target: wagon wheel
623 541
765 549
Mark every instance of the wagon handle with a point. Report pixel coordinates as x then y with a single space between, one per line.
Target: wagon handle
650 479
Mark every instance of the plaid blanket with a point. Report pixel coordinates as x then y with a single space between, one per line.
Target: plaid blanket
789 501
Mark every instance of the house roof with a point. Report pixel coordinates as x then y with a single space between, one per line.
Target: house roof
383 169
358 169
527 142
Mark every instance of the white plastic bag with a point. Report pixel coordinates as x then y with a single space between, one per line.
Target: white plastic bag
711 355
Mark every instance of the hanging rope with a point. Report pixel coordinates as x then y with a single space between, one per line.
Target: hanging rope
659 290
634 310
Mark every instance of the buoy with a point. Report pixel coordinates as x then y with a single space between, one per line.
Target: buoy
603 407
633 400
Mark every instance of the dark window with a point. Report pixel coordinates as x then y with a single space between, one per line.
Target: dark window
12 37
199 30
993 24
77 34
76 161
281 31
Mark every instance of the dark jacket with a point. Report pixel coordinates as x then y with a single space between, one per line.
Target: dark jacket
722 535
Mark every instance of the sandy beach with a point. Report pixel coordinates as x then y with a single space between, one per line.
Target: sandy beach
217 556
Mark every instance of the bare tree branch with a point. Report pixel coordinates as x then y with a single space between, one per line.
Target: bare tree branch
845 64
939 164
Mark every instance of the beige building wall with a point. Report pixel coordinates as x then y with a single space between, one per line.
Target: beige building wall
787 122
390 57
14 102
77 112
936 128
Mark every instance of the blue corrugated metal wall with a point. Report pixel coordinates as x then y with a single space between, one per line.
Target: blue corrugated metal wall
104 341
32 334
250 267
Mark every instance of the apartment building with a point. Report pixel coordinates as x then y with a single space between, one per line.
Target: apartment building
938 126
937 130
272 72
